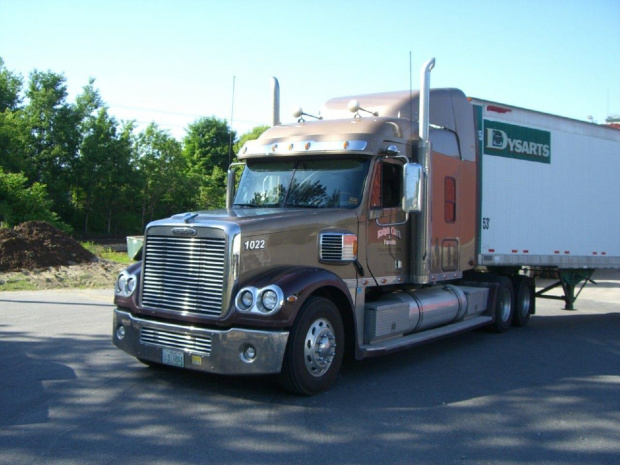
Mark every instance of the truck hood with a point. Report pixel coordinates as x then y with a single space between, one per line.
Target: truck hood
265 220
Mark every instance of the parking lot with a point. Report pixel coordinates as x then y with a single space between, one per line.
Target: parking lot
545 394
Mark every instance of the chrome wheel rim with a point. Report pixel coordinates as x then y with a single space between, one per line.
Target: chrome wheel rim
505 304
319 347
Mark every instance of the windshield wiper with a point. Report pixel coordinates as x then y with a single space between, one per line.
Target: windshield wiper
299 205
247 205
256 205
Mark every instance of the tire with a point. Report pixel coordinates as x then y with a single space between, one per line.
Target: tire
504 305
314 350
523 301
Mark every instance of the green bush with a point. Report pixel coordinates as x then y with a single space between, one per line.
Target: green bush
19 203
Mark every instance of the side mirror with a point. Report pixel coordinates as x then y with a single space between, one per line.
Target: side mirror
412 188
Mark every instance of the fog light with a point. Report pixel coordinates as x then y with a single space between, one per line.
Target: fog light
249 353
120 333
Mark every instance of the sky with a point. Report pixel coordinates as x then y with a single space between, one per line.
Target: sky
173 62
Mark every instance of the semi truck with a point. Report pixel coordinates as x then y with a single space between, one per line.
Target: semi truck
392 220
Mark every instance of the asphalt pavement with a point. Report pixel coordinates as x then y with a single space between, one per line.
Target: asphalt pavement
545 394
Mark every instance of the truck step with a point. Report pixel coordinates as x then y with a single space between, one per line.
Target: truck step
411 340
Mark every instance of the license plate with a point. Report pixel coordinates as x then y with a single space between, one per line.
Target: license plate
172 357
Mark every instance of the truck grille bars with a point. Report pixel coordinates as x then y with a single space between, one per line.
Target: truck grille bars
196 344
337 247
184 274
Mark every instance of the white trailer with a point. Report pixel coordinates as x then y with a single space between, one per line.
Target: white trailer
549 191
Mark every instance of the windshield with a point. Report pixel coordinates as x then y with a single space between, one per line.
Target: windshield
333 183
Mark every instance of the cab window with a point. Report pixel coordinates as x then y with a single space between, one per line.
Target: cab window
386 185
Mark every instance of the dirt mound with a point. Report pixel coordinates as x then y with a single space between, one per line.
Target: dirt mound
36 244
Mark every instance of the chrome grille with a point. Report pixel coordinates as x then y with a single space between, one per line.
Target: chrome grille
174 340
184 274
331 246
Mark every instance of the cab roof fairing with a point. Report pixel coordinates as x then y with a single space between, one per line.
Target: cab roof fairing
448 108
399 104
355 136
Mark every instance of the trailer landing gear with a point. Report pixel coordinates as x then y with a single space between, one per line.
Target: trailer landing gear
568 280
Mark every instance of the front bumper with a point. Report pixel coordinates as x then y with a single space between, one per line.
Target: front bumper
210 350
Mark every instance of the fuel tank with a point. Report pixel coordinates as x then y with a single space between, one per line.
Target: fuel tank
395 314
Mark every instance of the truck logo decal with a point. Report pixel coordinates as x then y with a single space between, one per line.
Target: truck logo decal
184 231
519 142
389 232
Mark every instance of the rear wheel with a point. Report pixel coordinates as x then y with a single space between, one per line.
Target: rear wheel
504 305
314 350
524 300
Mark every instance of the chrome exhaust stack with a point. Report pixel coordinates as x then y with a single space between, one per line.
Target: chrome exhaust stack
422 251
425 88
275 98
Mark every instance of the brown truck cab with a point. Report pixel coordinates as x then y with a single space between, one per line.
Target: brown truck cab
346 234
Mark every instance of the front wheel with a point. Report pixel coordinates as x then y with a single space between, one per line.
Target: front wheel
315 348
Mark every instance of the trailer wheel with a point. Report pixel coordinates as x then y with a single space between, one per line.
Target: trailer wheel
524 300
504 305
314 350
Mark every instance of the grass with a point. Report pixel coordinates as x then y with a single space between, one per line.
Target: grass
107 253
15 282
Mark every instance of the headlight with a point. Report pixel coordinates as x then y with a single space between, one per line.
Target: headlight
264 301
269 299
245 300
131 284
125 284
121 282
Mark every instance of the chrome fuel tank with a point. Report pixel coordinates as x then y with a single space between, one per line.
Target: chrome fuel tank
405 312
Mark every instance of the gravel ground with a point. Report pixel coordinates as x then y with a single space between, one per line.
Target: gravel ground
99 274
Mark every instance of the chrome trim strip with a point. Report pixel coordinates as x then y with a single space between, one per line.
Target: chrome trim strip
562 261
383 280
305 146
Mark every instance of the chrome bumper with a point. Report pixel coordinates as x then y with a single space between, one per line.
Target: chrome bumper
215 351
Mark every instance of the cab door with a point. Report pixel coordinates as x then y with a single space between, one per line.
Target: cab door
387 233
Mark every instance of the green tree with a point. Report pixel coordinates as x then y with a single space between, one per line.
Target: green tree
10 89
207 144
53 137
208 152
12 129
211 189
19 202
104 170
88 102
13 141
165 184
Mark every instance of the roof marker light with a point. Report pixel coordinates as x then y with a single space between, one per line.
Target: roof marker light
497 109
